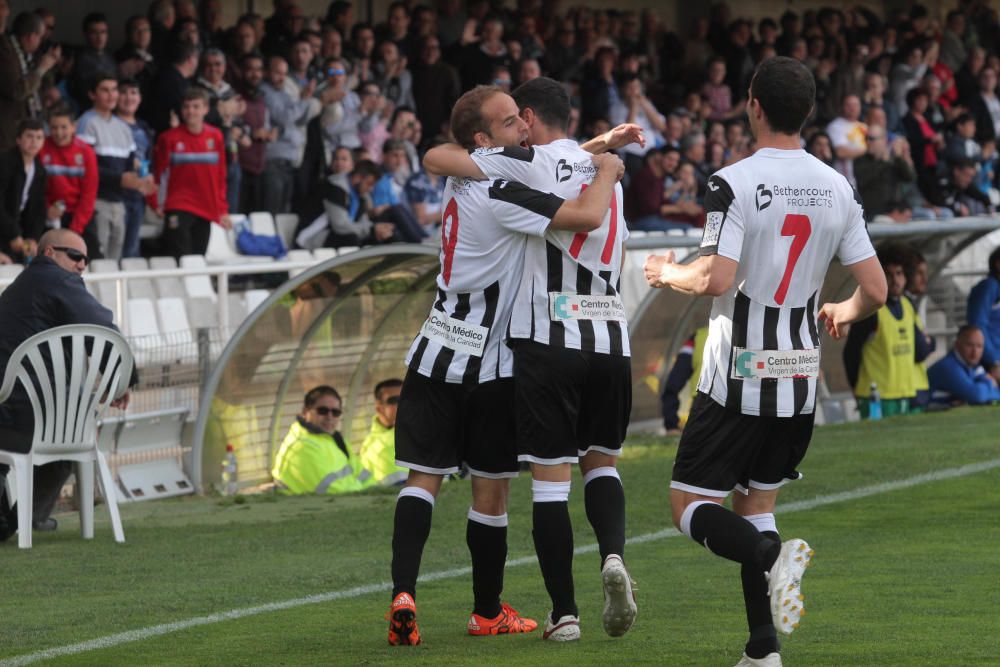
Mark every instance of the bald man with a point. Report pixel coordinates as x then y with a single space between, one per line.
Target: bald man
49 293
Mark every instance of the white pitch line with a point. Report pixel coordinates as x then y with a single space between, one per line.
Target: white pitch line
141 634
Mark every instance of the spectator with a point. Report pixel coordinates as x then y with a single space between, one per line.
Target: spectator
331 42
404 127
48 293
347 201
847 135
71 176
243 43
983 311
880 173
129 100
93 58
874 98
967 77
283 155
881 350
313 457
718 93
923 139
169 86
820 147
850 78
962 144
915 291
191 166
562 57
363 52
375 111
392 76
301 74
424 194
162 17
436 88
135 60
258 127
953 53
906 75
959 192
341 115
480 58
958 377
635 107
396 29
22 193
693 152
21 78
599 90
378 451
388 202
985 106
687 365
111 139
528 69
213 79
681 201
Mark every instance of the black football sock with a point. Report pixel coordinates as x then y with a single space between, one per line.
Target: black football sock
411 526
729 535
604 499
763 637
487 539
553 535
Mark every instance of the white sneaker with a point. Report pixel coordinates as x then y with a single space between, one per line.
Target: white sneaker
619 598
769 660
566 630
785 585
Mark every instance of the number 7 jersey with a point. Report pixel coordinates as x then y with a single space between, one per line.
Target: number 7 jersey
569 294
782 215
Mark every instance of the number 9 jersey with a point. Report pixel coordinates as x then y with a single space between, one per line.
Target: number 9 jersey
782 215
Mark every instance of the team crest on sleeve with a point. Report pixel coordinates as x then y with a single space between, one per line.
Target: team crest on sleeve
713 228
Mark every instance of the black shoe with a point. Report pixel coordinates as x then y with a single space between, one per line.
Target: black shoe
45 525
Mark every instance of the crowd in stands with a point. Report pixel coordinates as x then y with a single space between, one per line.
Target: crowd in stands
327 116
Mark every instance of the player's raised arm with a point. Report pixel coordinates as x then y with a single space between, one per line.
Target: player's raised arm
452 160
866 300
587 212
616 137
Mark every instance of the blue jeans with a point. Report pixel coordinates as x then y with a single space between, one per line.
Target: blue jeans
135 208
654 223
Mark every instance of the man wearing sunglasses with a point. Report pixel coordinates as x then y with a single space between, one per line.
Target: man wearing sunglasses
314 458
378 451
48 293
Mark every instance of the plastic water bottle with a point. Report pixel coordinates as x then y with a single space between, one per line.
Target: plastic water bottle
229 471
874 404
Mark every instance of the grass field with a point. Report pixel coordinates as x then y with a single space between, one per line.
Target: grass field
904 573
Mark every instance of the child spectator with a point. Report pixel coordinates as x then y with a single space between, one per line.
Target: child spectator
22 193
72 177
191 165
129 99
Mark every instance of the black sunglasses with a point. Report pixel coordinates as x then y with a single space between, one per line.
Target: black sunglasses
324 411
74 254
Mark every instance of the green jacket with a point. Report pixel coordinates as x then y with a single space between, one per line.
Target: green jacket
313 461
378 455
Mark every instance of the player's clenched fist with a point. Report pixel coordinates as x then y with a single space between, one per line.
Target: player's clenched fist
610 161
654 267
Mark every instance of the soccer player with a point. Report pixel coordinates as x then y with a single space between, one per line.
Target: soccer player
571 356
457 401
774 222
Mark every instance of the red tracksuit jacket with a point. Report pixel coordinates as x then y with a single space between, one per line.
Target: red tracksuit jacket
72 178
191 171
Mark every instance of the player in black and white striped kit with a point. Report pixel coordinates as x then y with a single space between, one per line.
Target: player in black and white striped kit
456 404
571 357
774 221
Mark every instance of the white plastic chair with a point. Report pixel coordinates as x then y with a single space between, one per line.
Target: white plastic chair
287 223
261 222
323 254
61 372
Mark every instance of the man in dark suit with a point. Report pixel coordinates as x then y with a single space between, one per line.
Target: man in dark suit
22 192
47 294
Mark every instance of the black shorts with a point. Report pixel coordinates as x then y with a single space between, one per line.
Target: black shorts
441 425
722 451
569 402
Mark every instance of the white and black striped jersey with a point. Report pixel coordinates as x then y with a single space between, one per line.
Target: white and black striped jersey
783 215
484 227
569 296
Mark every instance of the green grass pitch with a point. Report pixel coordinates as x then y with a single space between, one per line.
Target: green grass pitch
906 575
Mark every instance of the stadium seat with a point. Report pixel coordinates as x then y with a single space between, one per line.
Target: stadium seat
174 320
161 263
298 256
221 246
254 298
75 393
134 264
262 223
166 286
287 223
202 313
195 286
237 309
323 254
104 266
343 250
638 234
10 270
